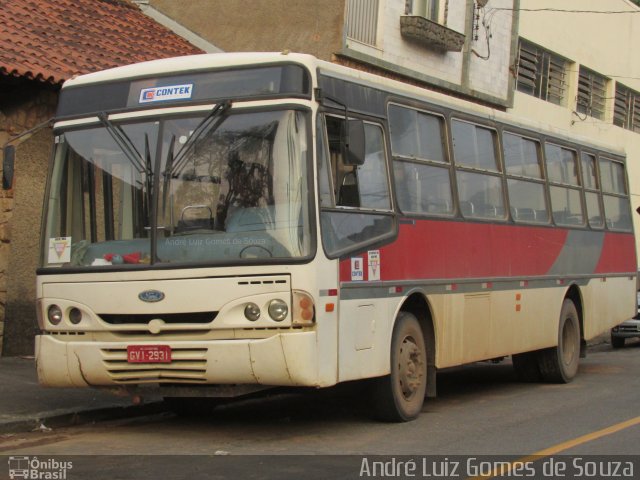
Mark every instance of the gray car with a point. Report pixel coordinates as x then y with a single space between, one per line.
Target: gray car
628 329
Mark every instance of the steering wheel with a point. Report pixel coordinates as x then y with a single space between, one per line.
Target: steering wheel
259 247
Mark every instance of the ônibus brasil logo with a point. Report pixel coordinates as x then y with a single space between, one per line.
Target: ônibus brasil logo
36 469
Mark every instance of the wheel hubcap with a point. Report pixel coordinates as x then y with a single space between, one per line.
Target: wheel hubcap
410 367
568 344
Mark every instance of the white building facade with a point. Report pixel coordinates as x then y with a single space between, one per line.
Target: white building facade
578 70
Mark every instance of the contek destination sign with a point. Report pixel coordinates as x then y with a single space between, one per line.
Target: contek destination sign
169 92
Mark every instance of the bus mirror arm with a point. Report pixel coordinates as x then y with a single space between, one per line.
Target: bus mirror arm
352 141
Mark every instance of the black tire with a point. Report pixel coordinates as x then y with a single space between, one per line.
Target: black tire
191 406
617 342
526 367
560 364
398 397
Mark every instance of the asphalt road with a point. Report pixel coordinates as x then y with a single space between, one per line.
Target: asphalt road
481 410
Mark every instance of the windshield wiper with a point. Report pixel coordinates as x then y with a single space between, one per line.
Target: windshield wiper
209 124
124 142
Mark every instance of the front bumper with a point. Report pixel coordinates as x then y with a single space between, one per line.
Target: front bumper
287 359
628 329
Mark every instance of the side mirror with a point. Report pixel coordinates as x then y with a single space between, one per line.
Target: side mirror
353 142
9 155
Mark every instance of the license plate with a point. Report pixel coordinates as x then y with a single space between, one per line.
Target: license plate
149 354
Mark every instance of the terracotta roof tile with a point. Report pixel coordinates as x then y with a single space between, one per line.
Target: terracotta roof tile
52 40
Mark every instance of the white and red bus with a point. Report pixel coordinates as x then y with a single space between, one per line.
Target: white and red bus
223 223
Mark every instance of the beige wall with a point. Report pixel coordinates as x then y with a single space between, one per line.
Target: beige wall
307 26
604 43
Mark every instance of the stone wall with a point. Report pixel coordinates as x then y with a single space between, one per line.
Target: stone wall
22 107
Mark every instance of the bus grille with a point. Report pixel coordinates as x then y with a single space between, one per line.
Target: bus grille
143 319
188 365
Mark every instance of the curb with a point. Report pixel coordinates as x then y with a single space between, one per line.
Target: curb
46 422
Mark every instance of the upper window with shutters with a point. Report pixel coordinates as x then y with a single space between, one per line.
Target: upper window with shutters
542 73
592 93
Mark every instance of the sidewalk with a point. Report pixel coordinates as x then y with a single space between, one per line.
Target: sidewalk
26 406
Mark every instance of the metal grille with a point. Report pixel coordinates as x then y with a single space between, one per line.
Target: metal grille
362 20
188 365
626 109
541 73
592 93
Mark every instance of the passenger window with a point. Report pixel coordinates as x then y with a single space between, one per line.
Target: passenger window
521 156
527 201
612 176
567 206
416 134
592 198
614 190
479 187
589 176
422 188
561 165
474 146
480 195
566 199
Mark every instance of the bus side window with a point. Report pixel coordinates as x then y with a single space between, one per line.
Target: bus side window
359 186
364 189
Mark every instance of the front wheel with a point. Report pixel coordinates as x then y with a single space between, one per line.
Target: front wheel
398 397
560 364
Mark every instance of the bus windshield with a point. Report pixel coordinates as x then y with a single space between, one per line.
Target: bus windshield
214 188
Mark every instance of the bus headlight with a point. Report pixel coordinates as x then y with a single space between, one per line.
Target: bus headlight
252 312
54 314
278 310
75 316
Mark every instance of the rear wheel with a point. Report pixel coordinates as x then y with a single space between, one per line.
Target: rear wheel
398 397
617 342
560 364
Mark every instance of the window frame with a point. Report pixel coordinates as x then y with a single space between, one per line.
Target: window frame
445 164
542 180
326 212
566 185
462 168
592 190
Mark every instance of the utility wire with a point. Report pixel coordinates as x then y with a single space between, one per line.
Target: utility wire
560 10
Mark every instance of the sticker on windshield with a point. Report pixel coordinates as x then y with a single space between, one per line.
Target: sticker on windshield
59 250
168 92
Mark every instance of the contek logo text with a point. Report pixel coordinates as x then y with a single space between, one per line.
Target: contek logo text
169 92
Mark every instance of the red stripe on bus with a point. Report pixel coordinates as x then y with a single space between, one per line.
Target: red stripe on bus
432 249
618 254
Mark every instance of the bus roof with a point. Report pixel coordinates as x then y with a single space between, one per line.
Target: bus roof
217 61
